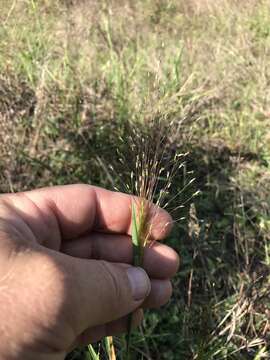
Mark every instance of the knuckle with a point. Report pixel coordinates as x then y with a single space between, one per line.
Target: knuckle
112 279
114 283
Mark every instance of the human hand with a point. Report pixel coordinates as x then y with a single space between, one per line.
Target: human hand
64 274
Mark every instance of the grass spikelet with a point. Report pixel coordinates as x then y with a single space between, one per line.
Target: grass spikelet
150 169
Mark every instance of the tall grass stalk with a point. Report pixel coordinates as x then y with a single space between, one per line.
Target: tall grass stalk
156 167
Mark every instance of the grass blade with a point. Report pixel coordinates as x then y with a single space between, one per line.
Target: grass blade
93 354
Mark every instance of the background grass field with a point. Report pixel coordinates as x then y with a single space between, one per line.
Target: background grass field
72 73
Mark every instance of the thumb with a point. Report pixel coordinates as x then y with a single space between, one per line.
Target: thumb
103 291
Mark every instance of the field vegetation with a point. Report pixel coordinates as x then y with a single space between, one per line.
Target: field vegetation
73 74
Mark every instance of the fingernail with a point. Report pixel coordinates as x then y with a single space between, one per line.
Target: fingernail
139 282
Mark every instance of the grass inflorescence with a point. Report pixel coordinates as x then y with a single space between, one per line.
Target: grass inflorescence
149 169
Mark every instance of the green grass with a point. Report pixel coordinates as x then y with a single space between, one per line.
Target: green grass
72 76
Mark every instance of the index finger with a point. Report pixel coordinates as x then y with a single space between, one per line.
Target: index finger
82 208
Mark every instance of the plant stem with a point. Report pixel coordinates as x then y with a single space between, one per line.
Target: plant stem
93 354
110 348
137 245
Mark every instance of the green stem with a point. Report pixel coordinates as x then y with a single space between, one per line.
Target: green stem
93 354
137 261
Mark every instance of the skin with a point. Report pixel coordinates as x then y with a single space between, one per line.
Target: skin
65 273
